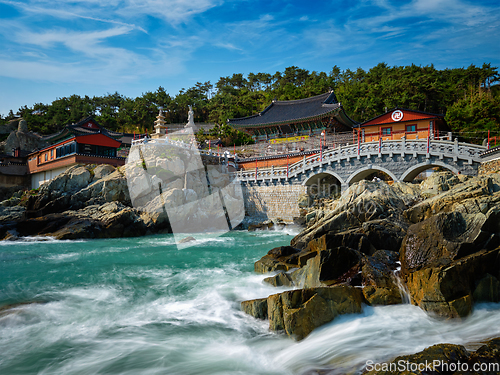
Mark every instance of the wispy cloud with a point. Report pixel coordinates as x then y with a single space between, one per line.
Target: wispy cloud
173 11
130 41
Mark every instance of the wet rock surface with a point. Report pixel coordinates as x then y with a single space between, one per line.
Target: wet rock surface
444 359
436 244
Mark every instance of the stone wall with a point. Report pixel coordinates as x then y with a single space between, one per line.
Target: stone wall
489 166
273 201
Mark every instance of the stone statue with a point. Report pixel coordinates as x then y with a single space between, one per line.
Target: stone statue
190 122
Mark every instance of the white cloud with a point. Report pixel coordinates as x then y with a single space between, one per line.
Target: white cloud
113 11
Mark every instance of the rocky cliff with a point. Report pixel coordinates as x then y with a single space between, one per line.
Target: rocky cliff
21 138
436 244
84 202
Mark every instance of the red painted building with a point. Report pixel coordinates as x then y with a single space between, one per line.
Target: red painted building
400 123
83 143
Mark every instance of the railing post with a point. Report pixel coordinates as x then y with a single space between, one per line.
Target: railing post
403 146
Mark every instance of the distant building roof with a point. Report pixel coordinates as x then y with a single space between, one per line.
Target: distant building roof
86 126
294 111
400 115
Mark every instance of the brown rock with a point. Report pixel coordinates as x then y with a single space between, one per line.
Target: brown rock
280 279
447 291
300 311
427 361
255 307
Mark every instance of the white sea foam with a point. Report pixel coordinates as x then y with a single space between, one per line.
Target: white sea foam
148 309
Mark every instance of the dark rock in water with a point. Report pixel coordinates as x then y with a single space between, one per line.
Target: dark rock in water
283 251
268 264
330 265
256 308
448 290
445 237
478 194
280 279
9 235
260 226
187 239
379 280
362 203
367 238
385 234
110 220
300 311
299 221
78 228
13 308
486 355
280 258
433 360
447 359
487 289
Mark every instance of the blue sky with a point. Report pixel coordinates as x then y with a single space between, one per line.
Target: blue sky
56 48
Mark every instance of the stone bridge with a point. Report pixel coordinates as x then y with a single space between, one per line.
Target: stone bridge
400 159
275 190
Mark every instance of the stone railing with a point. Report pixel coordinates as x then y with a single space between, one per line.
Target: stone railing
440 149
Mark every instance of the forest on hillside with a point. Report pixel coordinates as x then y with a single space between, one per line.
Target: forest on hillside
469 97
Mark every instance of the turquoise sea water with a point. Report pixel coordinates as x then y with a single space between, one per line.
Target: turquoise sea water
142 306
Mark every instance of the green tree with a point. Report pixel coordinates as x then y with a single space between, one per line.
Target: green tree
472 117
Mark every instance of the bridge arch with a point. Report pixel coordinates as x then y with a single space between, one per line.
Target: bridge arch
364 172
413 171
324 183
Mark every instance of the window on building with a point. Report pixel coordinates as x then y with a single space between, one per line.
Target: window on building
67 149
46 156
411 128
96 150
386 131
52 154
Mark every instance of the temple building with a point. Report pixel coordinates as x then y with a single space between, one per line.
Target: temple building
297 117
83 143
401 122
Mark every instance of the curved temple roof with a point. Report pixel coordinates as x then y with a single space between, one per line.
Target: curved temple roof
290 111
84 127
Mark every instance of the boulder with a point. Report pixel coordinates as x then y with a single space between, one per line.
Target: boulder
428 361
77 228
256 308
444 237
110 220
476 195
260 226
304 201
448 291
112 187
329 267
486 355
280 258
363 202
378 277
102 171
11 214
438 182
300 311
280 279
487 289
